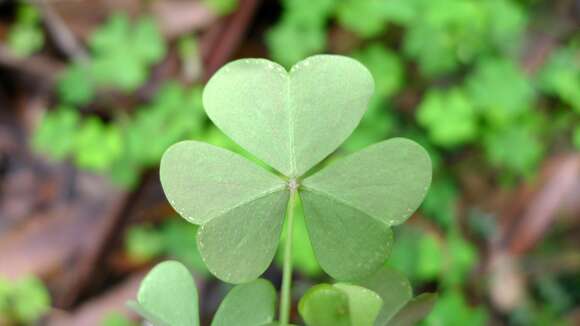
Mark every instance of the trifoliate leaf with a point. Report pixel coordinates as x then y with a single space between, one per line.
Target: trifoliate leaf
247 304
239 205
122 52
168 296
290 120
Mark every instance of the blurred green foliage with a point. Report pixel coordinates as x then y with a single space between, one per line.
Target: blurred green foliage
25 36
117 319
452 310
449 117
561 75
126 145
23 301
448 73
173 238
122 53
222 7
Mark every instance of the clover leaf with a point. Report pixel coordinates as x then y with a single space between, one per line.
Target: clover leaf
292 121
383 299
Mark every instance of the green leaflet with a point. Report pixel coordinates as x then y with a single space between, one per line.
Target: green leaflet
247 304
387 181
289 120
339 305
292 121
240 244
168 296
347 243
203 181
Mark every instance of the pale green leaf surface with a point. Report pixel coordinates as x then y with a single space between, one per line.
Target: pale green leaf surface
202 181
347 242
393 288
249 304
168 295
239 245
364 304
324 305
414 311
290 120
386 181
339 304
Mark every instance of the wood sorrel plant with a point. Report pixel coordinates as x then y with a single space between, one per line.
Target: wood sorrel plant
292 121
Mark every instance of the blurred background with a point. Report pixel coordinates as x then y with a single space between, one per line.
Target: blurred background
92 92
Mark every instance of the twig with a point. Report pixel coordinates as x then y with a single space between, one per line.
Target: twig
39 66
61 34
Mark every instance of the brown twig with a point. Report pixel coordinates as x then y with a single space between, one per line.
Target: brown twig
61 34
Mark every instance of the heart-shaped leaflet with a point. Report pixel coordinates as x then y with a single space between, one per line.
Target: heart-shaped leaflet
292 121
289 120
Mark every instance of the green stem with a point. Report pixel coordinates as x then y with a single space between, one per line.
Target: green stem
285 298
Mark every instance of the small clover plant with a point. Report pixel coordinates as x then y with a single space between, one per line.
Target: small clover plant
291 121
168 297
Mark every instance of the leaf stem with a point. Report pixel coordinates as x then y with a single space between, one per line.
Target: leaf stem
285 297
